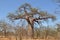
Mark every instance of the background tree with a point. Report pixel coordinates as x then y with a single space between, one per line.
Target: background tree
58 31
6 29
3 26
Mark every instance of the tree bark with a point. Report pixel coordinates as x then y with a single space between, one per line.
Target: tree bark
30 31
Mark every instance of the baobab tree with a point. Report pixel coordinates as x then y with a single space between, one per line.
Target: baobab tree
31 15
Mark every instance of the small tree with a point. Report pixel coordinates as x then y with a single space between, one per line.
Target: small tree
58 30
3 25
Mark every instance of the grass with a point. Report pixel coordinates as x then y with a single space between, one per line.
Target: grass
14 38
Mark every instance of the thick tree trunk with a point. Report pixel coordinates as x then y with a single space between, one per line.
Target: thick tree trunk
30 27
30 31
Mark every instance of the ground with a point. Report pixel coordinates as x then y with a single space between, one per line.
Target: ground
22 39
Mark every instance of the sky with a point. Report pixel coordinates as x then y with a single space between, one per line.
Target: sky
7 6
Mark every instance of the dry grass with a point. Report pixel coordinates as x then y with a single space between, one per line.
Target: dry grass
13 38
4 39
